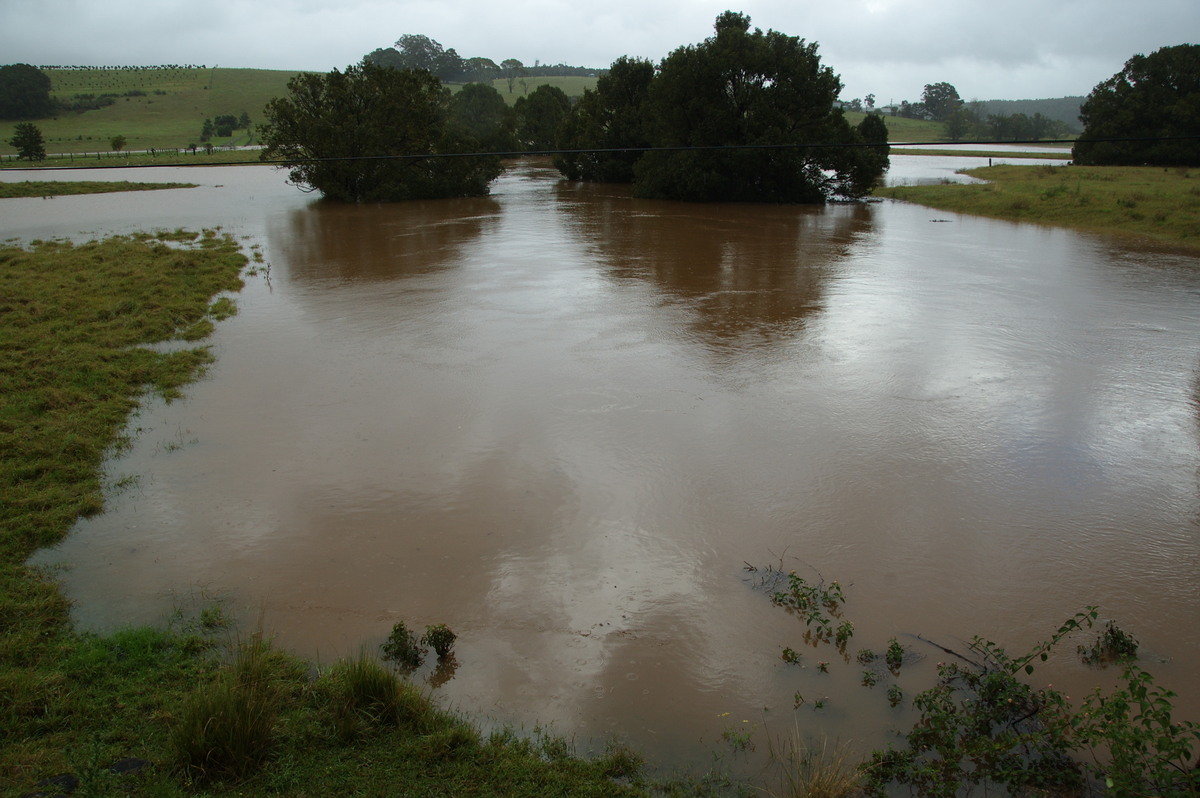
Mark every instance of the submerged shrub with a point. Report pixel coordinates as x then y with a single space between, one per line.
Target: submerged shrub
440 639
1114 644
402 648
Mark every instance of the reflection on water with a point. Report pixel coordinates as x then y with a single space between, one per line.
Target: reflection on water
332 241
744 272
562 421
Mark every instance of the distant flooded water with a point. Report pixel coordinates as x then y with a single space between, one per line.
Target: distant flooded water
564 422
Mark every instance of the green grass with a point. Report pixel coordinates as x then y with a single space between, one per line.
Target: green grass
1046 155
901 129
54 188
1162 205
120 160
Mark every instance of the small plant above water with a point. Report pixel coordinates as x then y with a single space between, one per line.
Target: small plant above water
894 656
842 636
402 648
818 604
440 639
1114 644
865 656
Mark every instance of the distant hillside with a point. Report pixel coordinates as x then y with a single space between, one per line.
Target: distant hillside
152 107
1062 109
165 107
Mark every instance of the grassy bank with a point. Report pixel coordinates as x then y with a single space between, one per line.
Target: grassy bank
62 188
1148 202
121 160
1048 154
185 710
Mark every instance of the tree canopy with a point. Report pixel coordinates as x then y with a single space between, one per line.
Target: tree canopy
1155 97
940 101
478 111
373 134
539 116
743 116
607 126
24 92
414 51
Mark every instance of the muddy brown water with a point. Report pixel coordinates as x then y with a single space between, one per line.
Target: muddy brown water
563 422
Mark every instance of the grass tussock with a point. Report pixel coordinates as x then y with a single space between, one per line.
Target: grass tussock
63 188
1149 202
816 770
227 727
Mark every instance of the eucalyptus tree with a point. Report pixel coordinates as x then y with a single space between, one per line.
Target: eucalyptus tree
373 134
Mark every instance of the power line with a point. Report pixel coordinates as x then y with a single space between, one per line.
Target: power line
617 150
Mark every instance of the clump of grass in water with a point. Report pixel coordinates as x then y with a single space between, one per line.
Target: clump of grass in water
1114 644
363 694
809 771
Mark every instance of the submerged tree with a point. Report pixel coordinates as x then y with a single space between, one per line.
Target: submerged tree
373 134
750 117
540 115
606 129
1148 113
478 111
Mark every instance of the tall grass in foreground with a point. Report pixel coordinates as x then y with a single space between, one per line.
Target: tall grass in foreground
812 771
227 728
362 694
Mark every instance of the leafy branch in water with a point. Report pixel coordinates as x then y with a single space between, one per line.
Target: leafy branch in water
1114 644
981 725
818 605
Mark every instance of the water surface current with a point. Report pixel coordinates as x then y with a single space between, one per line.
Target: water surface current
567 423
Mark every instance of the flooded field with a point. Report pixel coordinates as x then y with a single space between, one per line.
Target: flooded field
568 423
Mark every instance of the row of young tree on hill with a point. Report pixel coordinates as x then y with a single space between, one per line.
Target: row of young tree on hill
742 116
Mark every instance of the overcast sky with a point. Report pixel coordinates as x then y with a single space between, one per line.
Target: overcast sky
993 49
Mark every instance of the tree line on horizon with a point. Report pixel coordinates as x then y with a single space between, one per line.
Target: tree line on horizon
417 51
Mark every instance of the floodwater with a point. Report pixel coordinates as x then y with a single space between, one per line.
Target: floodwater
564 422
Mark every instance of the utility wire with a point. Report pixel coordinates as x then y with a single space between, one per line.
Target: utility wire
611 150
